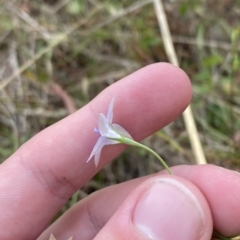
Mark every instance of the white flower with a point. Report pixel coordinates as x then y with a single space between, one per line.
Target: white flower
111 133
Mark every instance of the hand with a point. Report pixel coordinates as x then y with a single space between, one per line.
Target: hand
41 176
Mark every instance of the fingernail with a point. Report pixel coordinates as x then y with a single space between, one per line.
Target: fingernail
168 210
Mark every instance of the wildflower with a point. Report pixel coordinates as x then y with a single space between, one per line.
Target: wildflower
110 133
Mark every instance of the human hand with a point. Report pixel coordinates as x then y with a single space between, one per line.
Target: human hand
41 176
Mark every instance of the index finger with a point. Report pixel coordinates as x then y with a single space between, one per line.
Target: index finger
48 169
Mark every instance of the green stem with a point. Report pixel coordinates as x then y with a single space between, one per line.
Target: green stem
131 142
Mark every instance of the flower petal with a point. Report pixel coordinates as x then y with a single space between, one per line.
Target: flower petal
110 111
105 128
97 148
119 129
98 153
101 142
97 158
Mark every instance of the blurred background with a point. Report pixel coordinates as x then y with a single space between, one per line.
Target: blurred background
55 56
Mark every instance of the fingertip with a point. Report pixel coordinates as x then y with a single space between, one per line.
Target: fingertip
176 77
165 207
161 92
220 187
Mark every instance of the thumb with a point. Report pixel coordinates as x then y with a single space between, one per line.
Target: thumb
165 208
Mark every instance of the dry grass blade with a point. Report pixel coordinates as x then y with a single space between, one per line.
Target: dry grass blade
57 40
28 19
68 102
187 115
59 5
205 42
52 44
30 62
123 12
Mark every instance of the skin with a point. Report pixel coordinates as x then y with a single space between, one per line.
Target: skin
38 179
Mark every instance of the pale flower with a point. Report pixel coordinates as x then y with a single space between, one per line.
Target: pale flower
110 133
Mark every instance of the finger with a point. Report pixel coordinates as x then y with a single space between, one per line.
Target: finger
221 188
52 165
166 207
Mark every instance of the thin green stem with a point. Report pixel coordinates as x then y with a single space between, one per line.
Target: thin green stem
131 142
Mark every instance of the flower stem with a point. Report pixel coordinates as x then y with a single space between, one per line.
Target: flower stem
131 142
